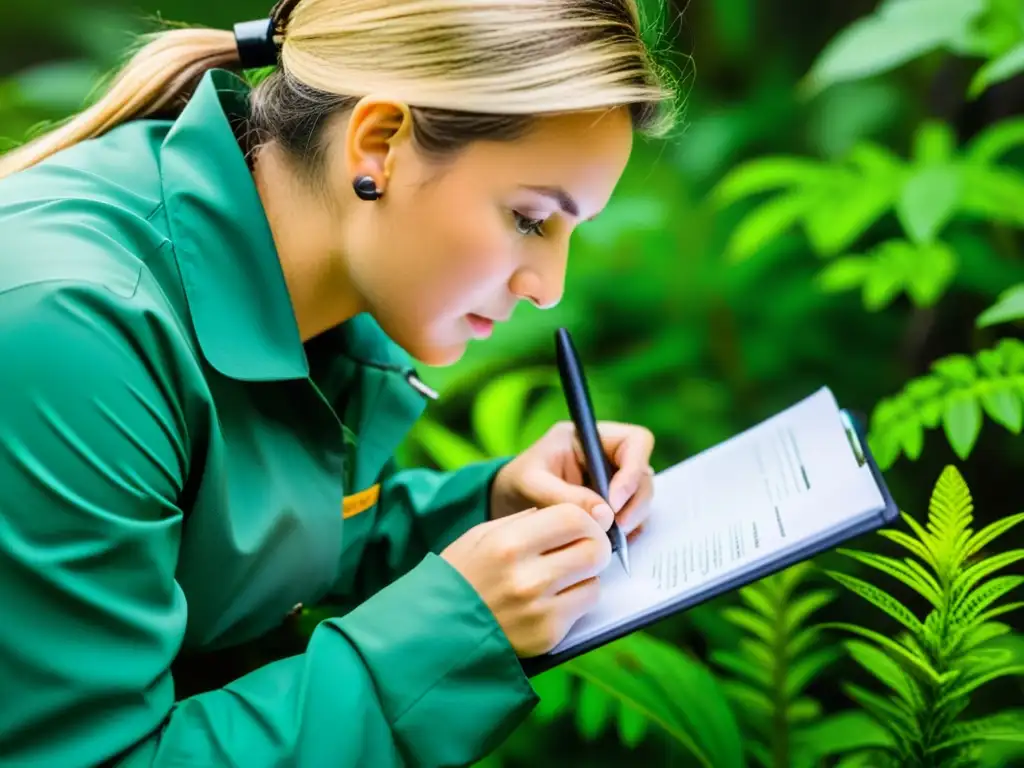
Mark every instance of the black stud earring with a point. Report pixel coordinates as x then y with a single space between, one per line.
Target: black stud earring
366 188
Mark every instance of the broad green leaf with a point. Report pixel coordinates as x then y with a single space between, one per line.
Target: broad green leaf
766 223
498 410
766 174
880 599
995 141
961 421
554 689
959 369
1003 405
1008 308
933 274
633 726
997 70
446 448
836 224
928 201
844 274
595 708
934 143
894 35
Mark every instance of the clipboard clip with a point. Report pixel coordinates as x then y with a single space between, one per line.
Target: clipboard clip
853 437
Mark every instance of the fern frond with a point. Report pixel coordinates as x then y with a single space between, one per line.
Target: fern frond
743 668
950 512
1006 726
916 663
987 615
921 581
880 599
993 530
801 608
749 621
974 603
954 394
806 669
893 713
910 543
887 671
971 576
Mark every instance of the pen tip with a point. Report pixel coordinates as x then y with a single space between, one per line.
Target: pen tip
624 559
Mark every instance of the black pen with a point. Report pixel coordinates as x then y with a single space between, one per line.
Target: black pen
577 396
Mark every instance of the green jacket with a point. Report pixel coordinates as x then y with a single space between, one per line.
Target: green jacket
178 471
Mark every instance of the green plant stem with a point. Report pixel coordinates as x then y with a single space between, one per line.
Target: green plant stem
780 725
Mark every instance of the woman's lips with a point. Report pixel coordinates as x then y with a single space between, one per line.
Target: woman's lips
482 327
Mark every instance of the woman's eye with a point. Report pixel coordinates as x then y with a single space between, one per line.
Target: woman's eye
527 226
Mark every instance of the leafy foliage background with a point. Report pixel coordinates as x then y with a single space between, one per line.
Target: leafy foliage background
843 207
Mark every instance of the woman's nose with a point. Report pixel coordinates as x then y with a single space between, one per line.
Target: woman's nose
541 286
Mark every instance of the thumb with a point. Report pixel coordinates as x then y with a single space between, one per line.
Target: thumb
625 483
546 489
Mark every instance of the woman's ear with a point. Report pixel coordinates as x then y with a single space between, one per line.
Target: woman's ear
376 129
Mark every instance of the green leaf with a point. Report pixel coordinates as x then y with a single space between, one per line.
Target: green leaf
961 421
632 726
751 622
880 599
995 141
594 710
764 224
916 663
498 410
909 543
805 670
446 448
991 532
894 35
840 733
554 689
1003 405
928 201
838 223
1008 307
968 578
766 174
742 667
1005 726
802 710
976 602
844 274
996 71
926 586
977 681
661 681
934 143
892 712
886 670
802 607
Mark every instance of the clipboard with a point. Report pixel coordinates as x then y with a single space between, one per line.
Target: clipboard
854 425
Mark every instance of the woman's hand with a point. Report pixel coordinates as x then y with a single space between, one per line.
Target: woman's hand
550 472
536 570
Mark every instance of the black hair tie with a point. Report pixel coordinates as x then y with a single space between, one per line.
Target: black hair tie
255 41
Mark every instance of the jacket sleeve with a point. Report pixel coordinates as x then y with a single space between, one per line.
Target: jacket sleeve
94 452
421 511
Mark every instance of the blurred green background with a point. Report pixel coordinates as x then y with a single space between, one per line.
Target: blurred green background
843 203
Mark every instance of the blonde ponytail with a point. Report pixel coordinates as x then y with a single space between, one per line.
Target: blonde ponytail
160 76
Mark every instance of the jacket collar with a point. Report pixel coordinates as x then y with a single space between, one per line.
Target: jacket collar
238 300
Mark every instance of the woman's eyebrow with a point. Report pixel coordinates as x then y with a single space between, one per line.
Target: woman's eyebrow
559 195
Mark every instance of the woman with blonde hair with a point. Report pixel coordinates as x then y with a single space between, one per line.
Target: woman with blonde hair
211 298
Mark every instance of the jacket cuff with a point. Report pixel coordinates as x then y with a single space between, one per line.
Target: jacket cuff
449 681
